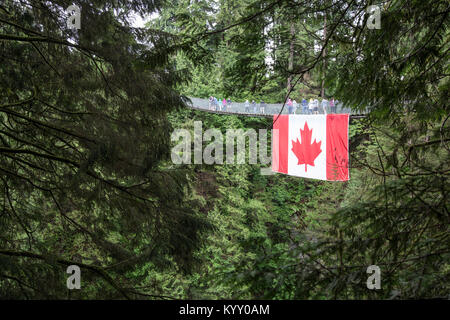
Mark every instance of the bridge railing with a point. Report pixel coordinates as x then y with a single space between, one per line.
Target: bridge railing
270 108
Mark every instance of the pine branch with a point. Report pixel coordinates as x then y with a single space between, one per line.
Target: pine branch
96 269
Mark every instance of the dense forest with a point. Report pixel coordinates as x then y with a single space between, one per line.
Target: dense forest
86 177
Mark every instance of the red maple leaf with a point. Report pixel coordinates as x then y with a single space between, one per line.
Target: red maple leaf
306 152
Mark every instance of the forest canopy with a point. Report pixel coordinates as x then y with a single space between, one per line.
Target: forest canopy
86 178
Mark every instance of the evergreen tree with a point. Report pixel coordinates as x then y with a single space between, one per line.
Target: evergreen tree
396 210
84 136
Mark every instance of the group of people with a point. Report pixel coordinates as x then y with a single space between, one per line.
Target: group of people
308 107
254 107
312 106
219 105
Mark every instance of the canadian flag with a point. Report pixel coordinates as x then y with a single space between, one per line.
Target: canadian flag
311 146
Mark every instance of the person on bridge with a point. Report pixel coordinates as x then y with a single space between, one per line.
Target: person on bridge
316 106
247 106
332 105
324 105
311 106
294 106
210 103
220 105
305 106
216 104
262 107
229 103
289 104
224 104
255 108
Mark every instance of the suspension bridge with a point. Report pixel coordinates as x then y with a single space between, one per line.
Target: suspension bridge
270 109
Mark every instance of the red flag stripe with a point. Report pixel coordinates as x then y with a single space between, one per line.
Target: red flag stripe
337 147
280 143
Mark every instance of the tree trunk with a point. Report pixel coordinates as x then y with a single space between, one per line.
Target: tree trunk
324 55
291 56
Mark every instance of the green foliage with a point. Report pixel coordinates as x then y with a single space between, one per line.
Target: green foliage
84 140
256 220
85 123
